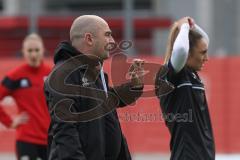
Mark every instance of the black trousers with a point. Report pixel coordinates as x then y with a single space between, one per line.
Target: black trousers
30 151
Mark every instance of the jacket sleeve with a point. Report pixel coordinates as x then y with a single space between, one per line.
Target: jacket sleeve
126 93
180 48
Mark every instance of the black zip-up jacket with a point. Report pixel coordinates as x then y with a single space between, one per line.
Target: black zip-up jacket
187 116
98 138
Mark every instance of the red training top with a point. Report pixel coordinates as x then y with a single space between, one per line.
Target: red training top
25 85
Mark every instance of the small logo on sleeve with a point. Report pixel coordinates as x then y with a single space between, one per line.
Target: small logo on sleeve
24 83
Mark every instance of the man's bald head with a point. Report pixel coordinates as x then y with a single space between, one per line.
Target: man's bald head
90 34
85 24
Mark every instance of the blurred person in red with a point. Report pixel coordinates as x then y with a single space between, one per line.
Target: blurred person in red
25 84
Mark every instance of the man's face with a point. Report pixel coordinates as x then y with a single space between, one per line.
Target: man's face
198 56
103 37
33 51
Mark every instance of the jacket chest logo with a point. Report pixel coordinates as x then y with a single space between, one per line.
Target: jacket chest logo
85 82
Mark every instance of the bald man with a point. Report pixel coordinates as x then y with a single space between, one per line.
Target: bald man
84 121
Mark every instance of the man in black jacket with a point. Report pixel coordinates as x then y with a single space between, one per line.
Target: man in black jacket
84 121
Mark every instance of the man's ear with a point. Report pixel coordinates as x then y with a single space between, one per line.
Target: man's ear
88 38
